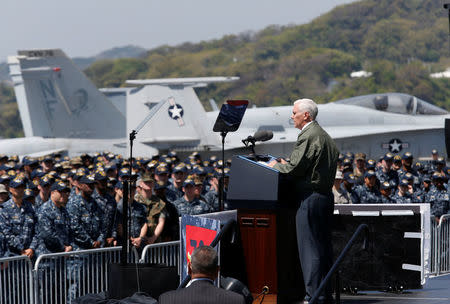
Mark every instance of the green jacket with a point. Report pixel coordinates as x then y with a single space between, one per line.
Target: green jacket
313 162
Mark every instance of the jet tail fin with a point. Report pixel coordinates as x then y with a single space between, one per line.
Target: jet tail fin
57 100
181 123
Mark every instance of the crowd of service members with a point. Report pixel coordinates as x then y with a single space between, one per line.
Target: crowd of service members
393 179
56 204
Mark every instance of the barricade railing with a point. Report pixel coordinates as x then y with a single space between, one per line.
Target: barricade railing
62 277
16 280
162 253
440 245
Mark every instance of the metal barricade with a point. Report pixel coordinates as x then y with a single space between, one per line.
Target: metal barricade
441 246
16 280
62 277
162 253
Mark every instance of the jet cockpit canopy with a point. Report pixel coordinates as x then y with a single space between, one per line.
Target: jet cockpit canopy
395 103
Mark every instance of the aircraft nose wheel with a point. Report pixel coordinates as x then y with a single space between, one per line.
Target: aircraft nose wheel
350 290
395 288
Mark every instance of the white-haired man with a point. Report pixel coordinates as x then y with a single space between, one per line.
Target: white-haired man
312 166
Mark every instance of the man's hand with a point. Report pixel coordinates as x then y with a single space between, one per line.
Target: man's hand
136 242
67 248
110 241
28 252
96 244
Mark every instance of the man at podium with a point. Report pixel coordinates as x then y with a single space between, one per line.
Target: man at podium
312 166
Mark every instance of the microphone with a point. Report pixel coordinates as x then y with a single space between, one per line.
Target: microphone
261 135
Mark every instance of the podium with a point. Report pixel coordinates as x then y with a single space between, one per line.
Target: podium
266 210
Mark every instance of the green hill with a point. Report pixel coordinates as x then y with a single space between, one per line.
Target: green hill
400 41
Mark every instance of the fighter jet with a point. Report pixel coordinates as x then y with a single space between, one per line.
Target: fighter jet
373 124
62 110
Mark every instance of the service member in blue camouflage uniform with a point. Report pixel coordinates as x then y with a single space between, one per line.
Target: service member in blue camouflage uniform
108 207
189 203
18 221
438 197
422 192
44 191
386 191
137 224
53 230
403 196
179 175
385 172
368 193
407 162
86 219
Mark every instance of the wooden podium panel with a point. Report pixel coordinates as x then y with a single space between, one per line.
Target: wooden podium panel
259 240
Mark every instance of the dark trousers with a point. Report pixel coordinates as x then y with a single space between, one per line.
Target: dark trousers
313 222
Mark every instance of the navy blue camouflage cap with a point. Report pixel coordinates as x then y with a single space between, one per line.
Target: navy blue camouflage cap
397 158
87 179
100 176
418 166
5 178
440 160
347 162
350 155
427 178
407 155
161 170
47 158
371 164
437 176
408 176
160 185
124 172
34 184
17 182
369 174
60 186
6 167
118 185
199 170
29 162
46 180
110 167
181 167
388 156
385 185
403 182
349 177
188 182
28 194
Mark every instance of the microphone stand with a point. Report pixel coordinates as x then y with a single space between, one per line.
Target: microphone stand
222 179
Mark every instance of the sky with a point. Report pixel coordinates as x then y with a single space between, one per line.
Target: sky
85 28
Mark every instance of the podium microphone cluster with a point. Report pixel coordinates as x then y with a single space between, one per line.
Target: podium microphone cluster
258 136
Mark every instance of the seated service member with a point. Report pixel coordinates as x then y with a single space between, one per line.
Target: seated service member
203 269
